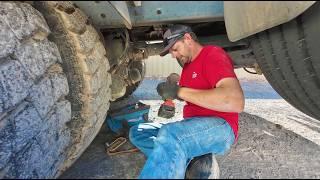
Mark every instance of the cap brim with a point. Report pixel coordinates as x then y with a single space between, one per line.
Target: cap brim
165 51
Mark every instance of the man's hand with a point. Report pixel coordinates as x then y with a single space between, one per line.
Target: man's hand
173 78
169 89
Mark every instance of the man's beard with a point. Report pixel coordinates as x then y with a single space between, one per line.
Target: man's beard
184 60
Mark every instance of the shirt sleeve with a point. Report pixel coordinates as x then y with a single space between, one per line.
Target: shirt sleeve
217 66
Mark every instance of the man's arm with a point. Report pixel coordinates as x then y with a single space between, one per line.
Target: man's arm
226 97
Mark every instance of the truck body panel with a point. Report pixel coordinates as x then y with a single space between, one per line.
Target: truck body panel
244 18
113 14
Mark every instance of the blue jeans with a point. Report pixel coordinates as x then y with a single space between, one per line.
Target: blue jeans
170 147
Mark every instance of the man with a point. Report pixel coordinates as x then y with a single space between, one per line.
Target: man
213 98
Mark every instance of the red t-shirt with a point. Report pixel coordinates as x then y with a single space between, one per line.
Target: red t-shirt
209 67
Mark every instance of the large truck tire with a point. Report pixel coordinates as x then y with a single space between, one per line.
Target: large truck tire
84 57
289 56
54 88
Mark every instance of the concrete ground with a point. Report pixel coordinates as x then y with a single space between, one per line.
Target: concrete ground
275 139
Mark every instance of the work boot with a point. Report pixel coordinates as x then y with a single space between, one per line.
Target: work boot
203 167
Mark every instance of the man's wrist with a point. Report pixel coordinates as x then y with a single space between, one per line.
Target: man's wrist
180 93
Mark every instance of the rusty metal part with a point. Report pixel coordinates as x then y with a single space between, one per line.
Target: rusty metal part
257 68
137 54
118 44
142 50
122 54
123 71
134 75
118 87
115 48
242 58
113 148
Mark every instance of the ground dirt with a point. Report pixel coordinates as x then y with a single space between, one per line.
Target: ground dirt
275 139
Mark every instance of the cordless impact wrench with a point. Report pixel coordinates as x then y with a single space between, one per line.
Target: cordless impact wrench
166 91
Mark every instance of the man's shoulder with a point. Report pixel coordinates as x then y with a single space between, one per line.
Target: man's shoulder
213 48
214 51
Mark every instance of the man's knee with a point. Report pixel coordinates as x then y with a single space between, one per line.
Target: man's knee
168 133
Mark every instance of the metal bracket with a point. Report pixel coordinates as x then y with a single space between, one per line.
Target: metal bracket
113 14
257 68
122 8
137 3
113 148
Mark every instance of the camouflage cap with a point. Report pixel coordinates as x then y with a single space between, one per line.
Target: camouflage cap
172 35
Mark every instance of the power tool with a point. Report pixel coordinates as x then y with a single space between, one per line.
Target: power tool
167 109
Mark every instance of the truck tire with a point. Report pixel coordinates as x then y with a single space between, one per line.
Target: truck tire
84 57
54 90
289 58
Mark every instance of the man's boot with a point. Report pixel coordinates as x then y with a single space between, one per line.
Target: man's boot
203 167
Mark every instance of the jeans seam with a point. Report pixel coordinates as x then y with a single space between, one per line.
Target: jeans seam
228 139
189 135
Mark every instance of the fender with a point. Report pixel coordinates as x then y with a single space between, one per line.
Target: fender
245 18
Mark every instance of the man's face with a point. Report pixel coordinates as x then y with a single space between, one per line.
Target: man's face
181 51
